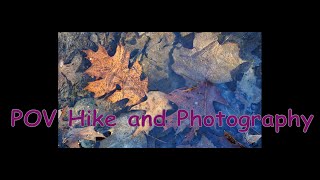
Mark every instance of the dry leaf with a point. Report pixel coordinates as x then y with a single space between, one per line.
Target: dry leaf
154 105
76 134
114 71
199 99
214 62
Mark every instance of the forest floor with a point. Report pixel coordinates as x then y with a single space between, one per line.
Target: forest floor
136 73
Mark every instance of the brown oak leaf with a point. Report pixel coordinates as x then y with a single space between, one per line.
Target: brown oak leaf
76 134
113 71
199 99
154 105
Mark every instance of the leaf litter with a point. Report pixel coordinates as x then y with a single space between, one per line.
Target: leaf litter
145 72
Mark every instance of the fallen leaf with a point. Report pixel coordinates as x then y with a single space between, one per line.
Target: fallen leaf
252 138
84 105
154 105
113 71
69 44
70 70
135 44
141 33
214 62
71 81
155 60
232 140
249 42
199 99
76 134
121 134
63 125
247 91
182 126
185 33
203 39
203 143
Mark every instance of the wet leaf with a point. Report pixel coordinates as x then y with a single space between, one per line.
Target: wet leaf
213 62
121 134
154 105
203 143
232 140
76 134
155 61
247 91
113 71
70 70
252 138
199 99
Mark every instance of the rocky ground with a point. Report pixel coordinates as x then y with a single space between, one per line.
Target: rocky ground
167 60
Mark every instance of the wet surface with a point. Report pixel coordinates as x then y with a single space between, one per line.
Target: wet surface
170 60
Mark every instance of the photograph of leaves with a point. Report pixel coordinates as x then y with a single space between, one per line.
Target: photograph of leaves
144 73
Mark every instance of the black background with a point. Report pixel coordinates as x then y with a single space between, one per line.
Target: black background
289 72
